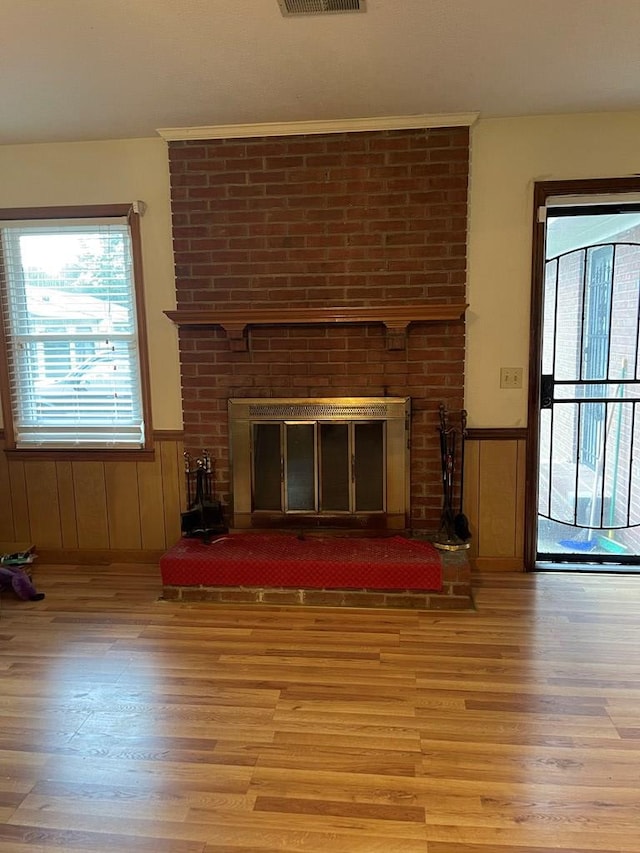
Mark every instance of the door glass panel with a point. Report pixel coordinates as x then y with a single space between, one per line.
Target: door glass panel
267 487
369 466
624 313
563 462
588 479
334 467
567 345
544 485
549 321
300 467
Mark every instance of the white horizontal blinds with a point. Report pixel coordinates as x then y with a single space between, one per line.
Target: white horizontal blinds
72 334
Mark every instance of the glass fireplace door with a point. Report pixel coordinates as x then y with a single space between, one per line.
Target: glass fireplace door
300 478
319 467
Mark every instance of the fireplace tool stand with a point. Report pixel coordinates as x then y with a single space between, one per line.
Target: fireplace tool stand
447 537
204 517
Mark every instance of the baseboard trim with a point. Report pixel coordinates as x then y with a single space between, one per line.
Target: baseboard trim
497 564
98 556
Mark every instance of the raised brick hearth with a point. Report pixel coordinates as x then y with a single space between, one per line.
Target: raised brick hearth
455 593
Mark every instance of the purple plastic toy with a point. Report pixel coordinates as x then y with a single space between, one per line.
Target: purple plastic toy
20 582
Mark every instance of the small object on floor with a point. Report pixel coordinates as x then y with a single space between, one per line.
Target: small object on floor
17 559
578 544
20 582
16 553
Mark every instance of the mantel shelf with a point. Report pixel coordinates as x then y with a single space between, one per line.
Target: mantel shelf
396 318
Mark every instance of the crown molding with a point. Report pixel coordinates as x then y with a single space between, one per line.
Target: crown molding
301 128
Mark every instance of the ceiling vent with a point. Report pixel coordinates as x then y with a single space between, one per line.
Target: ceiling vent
291 8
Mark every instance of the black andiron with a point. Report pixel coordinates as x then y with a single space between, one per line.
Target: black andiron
204 516
453 533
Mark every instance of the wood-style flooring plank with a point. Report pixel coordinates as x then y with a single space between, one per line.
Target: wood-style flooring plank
133 724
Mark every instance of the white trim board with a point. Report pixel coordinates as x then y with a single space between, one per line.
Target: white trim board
301 128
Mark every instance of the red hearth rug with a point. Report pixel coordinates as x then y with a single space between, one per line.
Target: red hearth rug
278 560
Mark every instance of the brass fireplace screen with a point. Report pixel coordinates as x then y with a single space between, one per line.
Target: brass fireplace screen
333 458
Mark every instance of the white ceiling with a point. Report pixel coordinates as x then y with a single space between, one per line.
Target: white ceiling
105 69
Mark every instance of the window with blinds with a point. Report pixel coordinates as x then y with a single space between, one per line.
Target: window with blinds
71 333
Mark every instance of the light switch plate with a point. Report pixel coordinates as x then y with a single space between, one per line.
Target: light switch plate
511 377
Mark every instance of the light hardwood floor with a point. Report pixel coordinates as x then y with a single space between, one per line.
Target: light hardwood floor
130 724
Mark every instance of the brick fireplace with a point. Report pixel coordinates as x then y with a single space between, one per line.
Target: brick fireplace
272 235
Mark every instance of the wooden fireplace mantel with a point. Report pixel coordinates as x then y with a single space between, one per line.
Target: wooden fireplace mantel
395 318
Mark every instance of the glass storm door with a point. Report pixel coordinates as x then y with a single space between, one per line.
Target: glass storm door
589 415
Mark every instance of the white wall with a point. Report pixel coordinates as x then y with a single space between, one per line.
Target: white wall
111 173
507 157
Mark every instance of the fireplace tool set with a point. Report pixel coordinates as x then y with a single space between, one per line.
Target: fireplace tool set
204 516
453 533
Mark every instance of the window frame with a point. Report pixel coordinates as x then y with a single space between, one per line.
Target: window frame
133 212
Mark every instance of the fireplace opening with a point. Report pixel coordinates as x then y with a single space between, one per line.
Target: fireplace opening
315 466
337 461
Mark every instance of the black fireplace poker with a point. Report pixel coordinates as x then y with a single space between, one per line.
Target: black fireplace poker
448 537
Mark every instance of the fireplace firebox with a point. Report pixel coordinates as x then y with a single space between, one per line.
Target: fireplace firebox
339 461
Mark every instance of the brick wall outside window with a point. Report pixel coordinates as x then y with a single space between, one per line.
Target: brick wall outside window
356 219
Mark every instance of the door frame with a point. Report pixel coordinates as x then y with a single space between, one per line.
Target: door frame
542 190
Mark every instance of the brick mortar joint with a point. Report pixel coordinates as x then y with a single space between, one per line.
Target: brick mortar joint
415 599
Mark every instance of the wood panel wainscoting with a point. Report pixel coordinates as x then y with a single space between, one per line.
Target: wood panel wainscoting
494 497
103 511
93 511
